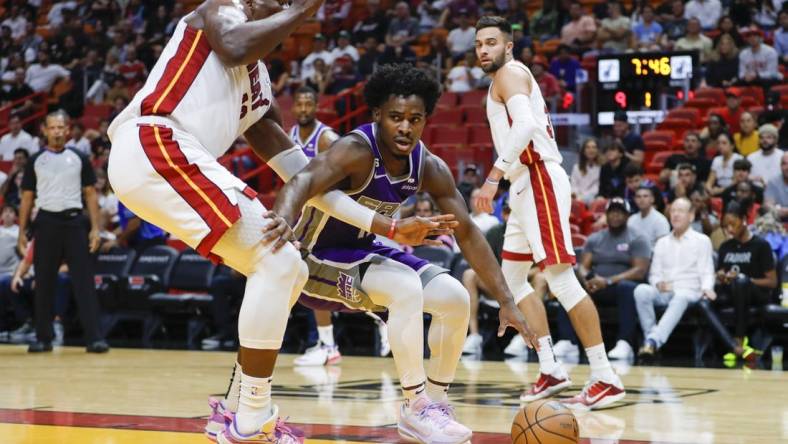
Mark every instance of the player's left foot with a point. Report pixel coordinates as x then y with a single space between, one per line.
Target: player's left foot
545 386
320 354
274 431
597 394
429 422
217 421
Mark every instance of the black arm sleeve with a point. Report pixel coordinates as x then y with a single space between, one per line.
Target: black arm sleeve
88 174
29 178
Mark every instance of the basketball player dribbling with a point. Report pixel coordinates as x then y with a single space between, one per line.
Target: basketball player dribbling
381 164
538 228
208 88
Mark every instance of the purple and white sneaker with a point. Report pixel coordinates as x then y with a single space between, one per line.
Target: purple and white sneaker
431 422
217 421
274 431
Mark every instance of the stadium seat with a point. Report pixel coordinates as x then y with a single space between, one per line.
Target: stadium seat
665 136
451 116
782 89
716 206
755 111
702 104
578 240
474 114
448 100
457 136
658 161
483 155
657 145
479 134
678 126
691 114
754 92
111 269
474 97
715 94
598 206
749 101
100 110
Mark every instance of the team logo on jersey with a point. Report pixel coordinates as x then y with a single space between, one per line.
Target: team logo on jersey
257 98
345 288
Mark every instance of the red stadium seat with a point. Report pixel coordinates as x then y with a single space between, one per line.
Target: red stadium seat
716 206
749 102
428 137
474 97
755 92
578 240
598 206
782 89
678 126
483 155
755 111
451 116
474 114
692 114
479 134
455 136
655 146
448 100
100 110
658 161
715 94
659 135
702 104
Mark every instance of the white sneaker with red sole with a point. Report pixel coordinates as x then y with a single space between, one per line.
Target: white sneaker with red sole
320 354
596 395
545 386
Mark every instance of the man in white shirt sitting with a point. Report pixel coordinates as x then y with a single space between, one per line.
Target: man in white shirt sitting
648 221
766 161
344 48
461 40
318 52
16 138
682 272
78 140
41 76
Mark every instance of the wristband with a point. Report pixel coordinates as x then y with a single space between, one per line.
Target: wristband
492 182
392 229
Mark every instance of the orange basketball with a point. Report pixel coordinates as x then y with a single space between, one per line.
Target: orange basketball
545 422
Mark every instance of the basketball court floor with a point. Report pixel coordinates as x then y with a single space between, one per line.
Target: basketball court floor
159 396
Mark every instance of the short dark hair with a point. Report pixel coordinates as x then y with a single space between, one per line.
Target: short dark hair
58 113
23 151
495 21
401 79
632 170
742 165
735 208
306 90
686 166
13 208
616 145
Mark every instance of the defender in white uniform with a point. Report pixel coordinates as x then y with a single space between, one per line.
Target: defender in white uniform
208 88
538 229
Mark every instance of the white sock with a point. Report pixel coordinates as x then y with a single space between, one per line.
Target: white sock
547 362
437 392
414 393
600 366
233 390
254 408
326 335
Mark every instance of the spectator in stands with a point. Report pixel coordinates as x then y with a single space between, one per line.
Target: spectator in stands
321 76
741 173
484 221
686 182
647 32
318 52
471 179
613 261
461 39
107 201
78 140
776 196
707 12
584 180
425 207
55 15
15 21
781 37
726 25
134 232
332 13
402 25
580 32
344 48
397 52
278 74
648 220
611 176
464 76
564 67
694 40
682 272
721 173
775 114
455 9
367 61
715 125
342 77
633 143
544 22
722 69
765 13
17 90
733 109
548 84
10 187
132 70
693 154
430 13
674 24
766 161
758 61
746 278
41 76
67 54
705 220
9 259
633 178
520 39
16 138
375 24
747 139
615 30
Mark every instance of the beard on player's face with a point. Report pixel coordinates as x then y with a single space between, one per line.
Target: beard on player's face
496 63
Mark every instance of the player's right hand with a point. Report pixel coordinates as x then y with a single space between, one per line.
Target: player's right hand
277 232
414 230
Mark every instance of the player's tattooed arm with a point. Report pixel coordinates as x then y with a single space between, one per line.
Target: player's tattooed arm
439 183
238 40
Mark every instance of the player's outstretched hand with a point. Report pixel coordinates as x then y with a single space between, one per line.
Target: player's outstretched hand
413 230
278 232
310 7
510 316
484 200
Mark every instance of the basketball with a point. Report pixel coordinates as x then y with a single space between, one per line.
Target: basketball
545 422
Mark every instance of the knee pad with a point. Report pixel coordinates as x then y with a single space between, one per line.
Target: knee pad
444 295
516 275
564 285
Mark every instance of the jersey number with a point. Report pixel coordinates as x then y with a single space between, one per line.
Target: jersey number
549 123
384 208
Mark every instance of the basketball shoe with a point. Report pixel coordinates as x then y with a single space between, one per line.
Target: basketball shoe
320 354
431 422
218 420
597 394
274 431
546 385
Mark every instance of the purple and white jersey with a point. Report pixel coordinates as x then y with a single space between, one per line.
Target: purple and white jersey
311 144
380 192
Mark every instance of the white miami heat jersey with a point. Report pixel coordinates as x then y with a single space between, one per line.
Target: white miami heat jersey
191 87
543 140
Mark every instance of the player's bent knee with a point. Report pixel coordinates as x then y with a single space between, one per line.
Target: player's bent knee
445 296
564 285
516 275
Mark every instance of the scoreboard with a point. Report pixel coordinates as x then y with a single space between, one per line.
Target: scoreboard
639 82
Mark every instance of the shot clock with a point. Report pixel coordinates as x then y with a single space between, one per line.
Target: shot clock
636 82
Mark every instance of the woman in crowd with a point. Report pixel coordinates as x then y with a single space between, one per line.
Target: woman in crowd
585 174
721 174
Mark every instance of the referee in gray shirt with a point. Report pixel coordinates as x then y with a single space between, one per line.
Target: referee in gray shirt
57 178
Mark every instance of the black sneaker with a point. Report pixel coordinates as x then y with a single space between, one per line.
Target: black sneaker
39 347
97 347
648 349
